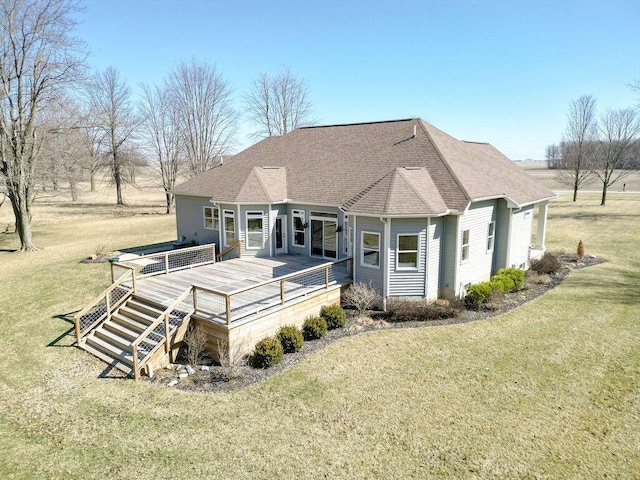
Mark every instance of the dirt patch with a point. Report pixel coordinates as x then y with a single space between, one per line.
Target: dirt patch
215 378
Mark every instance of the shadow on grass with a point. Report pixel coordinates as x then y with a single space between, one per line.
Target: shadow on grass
68 338
607 290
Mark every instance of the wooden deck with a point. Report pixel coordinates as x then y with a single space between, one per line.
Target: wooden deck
248 281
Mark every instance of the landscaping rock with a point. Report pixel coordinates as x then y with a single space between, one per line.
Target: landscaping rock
172 383
190 369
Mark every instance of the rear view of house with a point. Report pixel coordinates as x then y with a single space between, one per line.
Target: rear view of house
421 213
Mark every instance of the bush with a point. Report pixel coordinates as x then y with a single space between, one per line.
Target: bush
314 328
334 316
548 263
516 275
361 296
267 353
405 310
534 278
477 295
196 341
495 300
291 339
504 283
580 250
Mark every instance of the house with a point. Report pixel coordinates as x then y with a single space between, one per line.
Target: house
422 213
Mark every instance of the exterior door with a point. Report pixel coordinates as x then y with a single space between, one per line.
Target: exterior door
324 240
281 234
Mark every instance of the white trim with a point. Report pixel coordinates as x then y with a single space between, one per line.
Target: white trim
491 236
213 217
367 265
329 217
354 264
426 258
398 251
462 244
285 241
422 215
295 212
253 215
387 256
224 227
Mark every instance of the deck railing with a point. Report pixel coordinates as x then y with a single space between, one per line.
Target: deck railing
169 261
230 307
100 309
159 332
229 249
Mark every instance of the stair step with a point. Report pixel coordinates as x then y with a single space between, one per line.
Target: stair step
129 323
113 362
141 317
113 338
109 349
143 305
121 330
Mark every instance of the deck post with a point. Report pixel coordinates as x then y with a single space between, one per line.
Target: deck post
108 304
195 299
112 274
133 280
213 253
134 352
326 277
166 333
282 291
228 302
166 262
78 335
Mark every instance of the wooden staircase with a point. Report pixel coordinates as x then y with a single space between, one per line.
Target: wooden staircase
113 340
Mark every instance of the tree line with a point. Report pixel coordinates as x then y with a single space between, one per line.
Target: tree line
60 122
605 147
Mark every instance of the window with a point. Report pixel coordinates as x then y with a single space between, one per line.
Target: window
229 227
370 250
298 227
464 254
211 219
407 249
491 236
255 240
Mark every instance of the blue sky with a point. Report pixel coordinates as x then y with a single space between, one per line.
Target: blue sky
500 72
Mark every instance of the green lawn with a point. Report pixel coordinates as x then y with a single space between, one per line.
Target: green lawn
549 390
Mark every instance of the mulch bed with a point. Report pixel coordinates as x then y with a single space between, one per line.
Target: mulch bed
215 380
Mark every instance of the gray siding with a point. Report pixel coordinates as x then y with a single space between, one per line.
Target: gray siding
405 282
368 274
190 220
449 256
502 236
477 267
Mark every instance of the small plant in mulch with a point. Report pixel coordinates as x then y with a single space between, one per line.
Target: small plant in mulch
407 310
291 339
580 250
361 296
477 295
196 342
267 353
334 316
314 328
548 263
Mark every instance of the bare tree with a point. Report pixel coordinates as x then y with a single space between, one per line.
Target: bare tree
578 144
619 131
116 116
554 157
206 120
38 59
161 135
279 104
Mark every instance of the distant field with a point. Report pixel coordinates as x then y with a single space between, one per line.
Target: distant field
539 171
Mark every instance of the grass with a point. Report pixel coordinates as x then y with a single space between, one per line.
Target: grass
548 390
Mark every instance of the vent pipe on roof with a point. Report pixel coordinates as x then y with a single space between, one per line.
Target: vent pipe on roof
221 159
415 130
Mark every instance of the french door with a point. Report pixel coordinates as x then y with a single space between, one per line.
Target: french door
324 236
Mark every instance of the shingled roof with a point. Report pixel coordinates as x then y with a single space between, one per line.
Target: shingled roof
400 167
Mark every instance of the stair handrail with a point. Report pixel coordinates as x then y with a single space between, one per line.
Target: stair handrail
164 316
109 308
237 245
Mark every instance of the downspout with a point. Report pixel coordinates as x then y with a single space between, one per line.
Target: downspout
507 262
271 235
386 273
456 263
239 227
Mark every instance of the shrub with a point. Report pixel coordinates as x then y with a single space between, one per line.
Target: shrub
516 275
477 295
231 359
196 341
534 278
361 296
291 339
495 300
405 310
334 316
580 250
548 263
504 283
267 353
314 327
